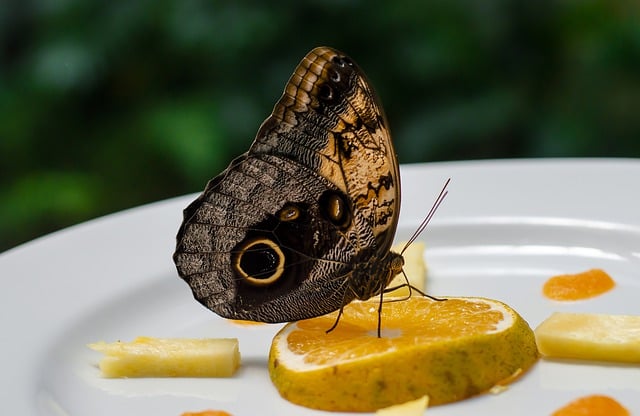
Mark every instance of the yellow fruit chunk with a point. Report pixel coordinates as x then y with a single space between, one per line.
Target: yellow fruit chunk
178 357
448 350
414 268
590 337
578 286
412 408
595 405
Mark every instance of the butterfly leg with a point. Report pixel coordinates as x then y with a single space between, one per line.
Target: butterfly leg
380 314
335 324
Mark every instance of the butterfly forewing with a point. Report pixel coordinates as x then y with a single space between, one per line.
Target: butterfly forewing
329 118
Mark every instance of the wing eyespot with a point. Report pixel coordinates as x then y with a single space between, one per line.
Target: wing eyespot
334 75
289 213
335 207
326 92
259 262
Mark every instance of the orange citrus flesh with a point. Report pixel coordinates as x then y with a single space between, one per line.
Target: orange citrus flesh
595 405
578 286
207 413
448 350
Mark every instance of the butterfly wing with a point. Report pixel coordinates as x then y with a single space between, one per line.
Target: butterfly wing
275 237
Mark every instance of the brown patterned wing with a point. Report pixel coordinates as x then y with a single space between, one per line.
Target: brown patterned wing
302 223
330 118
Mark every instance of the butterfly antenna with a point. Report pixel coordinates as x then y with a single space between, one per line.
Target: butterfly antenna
430 214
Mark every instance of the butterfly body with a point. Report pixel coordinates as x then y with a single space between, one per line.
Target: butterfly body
302 223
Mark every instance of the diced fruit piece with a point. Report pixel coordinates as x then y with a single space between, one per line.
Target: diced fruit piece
595 337
412 408
448 350
414 268
169 357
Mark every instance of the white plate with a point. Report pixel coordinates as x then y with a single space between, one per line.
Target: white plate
505 227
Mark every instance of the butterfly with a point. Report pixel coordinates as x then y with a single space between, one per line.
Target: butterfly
302 223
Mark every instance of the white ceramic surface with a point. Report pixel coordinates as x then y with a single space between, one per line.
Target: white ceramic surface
505 227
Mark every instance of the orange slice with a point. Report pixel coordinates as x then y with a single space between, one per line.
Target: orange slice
447 350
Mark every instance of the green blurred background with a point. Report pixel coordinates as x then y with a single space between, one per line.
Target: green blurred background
110 104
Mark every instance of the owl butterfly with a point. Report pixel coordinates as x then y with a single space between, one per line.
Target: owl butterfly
302 223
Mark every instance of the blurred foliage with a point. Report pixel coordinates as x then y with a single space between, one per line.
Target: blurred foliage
110 104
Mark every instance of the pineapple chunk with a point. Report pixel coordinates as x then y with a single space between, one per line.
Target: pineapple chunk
157 357
412 408
414 268
590 337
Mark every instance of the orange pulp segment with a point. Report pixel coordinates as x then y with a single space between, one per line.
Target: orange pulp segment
578 286
595 405
243 322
